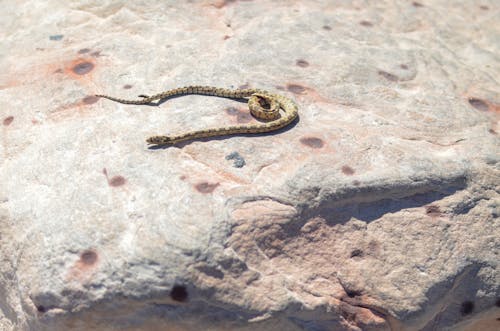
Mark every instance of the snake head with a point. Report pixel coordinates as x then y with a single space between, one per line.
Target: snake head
158 140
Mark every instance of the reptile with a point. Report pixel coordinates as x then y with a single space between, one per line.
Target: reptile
263 105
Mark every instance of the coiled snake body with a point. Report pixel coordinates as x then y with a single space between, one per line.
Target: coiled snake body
262 104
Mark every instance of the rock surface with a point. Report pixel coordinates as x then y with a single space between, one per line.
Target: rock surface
377 210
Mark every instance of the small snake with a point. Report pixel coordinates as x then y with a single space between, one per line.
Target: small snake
262 104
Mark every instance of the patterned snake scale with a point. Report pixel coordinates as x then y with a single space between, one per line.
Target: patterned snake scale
262 104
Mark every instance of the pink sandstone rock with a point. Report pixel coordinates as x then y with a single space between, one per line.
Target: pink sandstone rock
377 210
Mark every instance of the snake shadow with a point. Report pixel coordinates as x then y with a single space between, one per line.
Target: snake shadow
263 134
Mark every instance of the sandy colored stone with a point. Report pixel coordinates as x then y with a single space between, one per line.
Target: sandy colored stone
377 210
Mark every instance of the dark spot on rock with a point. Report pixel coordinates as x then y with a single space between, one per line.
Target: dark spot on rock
492 131
356 252
179 293
127 86
83 68
326 27
348 170
302 63
498 318
243 87
356 182
58 71
244 117
478 104
205 187
388 76
232 111
312 142
228 25
88 257
117 181
183 177
8 120
90 99
226 37
239 161
279 87
483 7
417 4
366 23
353 293
294 88
497 303
96 53
41 309
467 307
433 210
403 66
56 37
84 50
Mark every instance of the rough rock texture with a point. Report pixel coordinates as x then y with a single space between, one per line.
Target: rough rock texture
377 210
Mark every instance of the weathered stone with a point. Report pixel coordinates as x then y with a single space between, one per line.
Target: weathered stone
377 210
